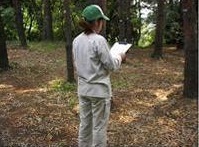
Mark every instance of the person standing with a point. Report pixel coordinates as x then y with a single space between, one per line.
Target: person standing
94 63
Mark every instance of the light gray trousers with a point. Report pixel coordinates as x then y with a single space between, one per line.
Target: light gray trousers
94 116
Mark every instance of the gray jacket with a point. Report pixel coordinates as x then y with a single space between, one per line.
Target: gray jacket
94 63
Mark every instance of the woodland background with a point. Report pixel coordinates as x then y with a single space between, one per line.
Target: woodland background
155 92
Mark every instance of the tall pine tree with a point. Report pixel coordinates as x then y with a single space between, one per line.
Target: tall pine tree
190 23
4 64
19 22
68 34
157 53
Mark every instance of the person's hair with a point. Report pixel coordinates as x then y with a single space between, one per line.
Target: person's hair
87 25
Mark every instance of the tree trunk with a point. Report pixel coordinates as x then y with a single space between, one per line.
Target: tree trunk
68 34
19 22
121 23
190 21
159 31
47 24
140 22
128 26
125 28
38 16
179 42
4 65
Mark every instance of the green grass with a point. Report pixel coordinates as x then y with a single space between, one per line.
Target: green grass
45 46
66 90
42 46
120 82
62 86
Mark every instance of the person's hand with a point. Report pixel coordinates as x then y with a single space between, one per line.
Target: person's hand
123 56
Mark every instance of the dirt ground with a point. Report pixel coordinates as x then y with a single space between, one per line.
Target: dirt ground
148 108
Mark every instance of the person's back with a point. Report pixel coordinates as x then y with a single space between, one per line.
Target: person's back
93 63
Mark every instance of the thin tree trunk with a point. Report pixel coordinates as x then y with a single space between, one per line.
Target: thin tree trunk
121 21
191 49
159 30
125 28
140 22
47 24
30 26
179 42
68 34
4 64
38 16
19 22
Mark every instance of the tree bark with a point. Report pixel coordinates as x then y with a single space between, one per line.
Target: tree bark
125 28
140 22
179 42
47 24
4 64
19 23
39 17
159 30
190 23
68 34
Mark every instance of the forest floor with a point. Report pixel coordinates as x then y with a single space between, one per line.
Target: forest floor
37 109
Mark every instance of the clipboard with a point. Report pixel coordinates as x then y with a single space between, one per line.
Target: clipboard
119 47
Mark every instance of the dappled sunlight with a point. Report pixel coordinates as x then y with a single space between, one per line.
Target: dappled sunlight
165 69
162 94
5 86
148 108
129 116
23 91
177 85
144 103
170 122
56 81
165 72
126 119
51 82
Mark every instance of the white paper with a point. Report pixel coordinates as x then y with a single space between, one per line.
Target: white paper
119 48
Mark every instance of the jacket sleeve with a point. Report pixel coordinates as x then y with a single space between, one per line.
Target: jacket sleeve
110 63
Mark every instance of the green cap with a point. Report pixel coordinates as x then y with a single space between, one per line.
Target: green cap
93 12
